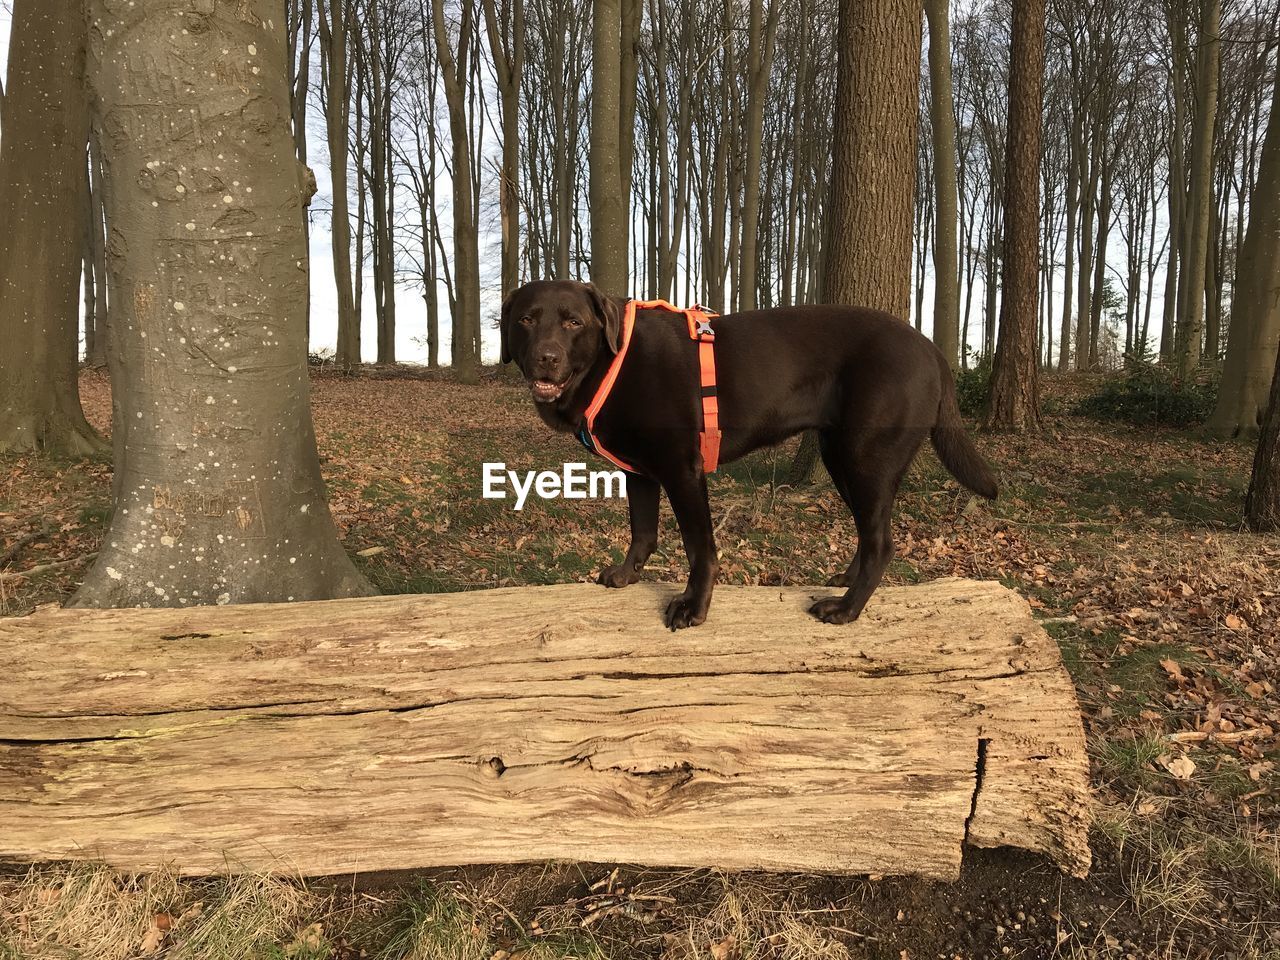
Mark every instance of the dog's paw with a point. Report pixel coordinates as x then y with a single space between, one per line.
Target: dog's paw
839 580
618 576
833 610
682 612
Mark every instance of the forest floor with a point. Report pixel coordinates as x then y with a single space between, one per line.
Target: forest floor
1127 541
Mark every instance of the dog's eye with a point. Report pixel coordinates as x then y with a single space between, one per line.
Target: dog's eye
572 322
526 320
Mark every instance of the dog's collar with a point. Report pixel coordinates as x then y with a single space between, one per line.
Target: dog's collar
700 332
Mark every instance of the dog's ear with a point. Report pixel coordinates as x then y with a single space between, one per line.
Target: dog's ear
504 326
609 311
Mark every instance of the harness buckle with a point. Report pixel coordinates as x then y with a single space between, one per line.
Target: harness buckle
703 328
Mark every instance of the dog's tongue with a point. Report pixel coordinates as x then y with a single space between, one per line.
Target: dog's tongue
545 390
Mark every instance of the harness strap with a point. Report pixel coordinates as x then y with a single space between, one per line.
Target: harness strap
700 332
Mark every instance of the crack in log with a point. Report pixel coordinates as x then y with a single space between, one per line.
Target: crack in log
979 774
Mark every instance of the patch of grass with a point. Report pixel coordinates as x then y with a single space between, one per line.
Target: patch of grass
1132 761
436 923
1140 674
89 912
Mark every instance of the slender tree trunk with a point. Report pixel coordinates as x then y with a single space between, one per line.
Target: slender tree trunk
466 313
1100 265
946 297
1254 331
219 497
42 192
1084 291
610 201
506 46
1014 403
97 354
336 78
1191 292
1069 253
761 33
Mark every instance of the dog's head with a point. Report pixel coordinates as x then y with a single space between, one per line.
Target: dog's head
555 331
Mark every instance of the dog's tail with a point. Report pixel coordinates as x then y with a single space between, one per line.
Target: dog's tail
951 441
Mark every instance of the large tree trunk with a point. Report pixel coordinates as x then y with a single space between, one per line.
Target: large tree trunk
1255 304
43 195
336 77
609 202
1262 503
1191 289
1014 403
946 272
303 738
867 261
218 495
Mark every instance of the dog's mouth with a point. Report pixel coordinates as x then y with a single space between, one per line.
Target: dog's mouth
547 391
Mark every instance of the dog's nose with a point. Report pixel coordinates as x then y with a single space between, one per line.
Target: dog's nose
549 356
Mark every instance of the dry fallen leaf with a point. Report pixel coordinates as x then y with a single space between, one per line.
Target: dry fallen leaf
1181 767
151 940
726 949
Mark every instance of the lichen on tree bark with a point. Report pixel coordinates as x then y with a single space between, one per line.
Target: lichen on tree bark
218 494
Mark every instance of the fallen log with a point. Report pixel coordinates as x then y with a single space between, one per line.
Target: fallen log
542 723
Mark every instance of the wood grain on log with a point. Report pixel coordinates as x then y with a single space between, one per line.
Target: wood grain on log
542 723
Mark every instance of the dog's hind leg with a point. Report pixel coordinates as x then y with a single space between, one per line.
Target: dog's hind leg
642 505
829 446
869 465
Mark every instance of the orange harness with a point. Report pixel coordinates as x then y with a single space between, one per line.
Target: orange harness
700 332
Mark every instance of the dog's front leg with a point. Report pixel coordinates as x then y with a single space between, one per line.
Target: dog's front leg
688 496
642 504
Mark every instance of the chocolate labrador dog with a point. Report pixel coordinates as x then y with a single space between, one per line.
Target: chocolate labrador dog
870 385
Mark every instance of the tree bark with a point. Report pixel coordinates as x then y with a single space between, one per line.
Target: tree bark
867 260
1262 503
43 194
1254 331
300 741
1014 403
946 271
218 495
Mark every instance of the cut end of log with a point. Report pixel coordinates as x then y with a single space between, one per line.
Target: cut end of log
542 723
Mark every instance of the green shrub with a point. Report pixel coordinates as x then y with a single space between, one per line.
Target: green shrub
972 386
1150 394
